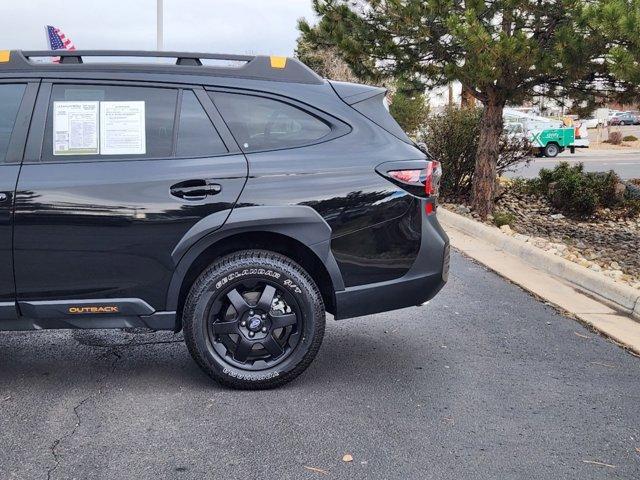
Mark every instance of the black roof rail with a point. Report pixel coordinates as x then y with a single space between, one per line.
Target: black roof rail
258 67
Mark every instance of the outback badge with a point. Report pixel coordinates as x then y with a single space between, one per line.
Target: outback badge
87 310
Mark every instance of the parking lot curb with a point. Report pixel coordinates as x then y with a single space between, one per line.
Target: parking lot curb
621 297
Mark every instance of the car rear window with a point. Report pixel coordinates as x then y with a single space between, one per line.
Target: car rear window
260 123
10 98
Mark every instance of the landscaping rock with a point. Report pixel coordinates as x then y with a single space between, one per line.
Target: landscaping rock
607 242
619 191
632 191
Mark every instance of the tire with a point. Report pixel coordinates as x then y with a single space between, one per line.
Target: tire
254 320
551 150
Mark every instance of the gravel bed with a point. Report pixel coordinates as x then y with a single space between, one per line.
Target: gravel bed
607 242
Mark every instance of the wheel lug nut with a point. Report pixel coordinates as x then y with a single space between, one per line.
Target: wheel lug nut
264 315
250 312
251 334
264 329
243 323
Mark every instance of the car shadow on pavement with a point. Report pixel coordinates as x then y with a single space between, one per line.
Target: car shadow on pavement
79 358
371 358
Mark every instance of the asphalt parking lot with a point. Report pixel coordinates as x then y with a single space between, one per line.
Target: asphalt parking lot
625 163
485 382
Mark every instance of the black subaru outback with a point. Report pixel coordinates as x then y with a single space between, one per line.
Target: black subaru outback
236 198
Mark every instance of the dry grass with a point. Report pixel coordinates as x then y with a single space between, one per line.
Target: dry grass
598 143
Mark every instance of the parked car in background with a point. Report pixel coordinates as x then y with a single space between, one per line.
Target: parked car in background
592 122
612 113
623 118
636 114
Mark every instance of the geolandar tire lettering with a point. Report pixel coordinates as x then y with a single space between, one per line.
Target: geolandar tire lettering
240 376
246 272
254 319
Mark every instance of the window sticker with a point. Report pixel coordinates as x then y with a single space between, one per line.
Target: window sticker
75 128
122 128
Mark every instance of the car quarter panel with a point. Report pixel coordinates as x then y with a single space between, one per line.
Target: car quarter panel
375 236
300 223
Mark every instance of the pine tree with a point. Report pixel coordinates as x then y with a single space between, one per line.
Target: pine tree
618 21
502 51
409 108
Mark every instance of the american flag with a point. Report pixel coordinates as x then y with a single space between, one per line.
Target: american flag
58 40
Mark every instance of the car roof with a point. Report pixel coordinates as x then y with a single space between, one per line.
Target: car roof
258 67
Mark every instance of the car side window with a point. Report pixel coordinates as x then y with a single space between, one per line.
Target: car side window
260 123
10 98
197 137
106 122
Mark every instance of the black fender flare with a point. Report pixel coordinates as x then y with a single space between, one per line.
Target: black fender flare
301 223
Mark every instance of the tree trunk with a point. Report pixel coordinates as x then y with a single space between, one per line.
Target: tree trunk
484 177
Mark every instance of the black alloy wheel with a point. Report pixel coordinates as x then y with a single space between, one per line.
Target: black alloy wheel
254 324
254 319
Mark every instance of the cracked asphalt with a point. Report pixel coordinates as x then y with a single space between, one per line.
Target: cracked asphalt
485 382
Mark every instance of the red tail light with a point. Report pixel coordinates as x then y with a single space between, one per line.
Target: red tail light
432 182
420 182
429 208
428 177
406 176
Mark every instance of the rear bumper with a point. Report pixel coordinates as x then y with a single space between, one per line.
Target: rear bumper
422 282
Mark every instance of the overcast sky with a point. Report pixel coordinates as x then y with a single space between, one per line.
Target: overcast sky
217 26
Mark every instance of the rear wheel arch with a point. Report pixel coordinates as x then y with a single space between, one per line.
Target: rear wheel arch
205 253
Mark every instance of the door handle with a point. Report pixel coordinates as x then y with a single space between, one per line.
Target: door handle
195 189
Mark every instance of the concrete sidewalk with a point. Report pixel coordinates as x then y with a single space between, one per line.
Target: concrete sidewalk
619 327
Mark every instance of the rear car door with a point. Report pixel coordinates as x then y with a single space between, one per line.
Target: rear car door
114 177
16 105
